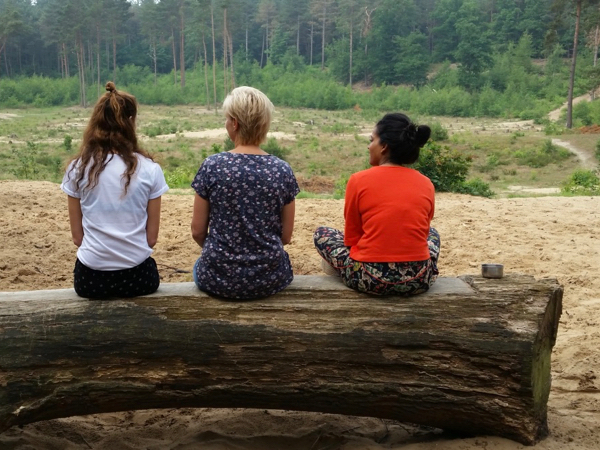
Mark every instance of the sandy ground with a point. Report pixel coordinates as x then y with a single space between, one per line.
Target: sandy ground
222 134
544 237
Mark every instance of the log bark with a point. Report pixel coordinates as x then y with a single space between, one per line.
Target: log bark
471 355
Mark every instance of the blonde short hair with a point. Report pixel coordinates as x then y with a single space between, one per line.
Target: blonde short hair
253 111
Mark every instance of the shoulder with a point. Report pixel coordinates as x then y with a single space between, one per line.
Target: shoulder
74 164
367 174
148 163
420 177
215 160
274 160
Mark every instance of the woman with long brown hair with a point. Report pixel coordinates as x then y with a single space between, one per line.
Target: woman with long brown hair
114 192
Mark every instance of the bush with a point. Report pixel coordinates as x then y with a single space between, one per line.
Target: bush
476 187
446 168
552 128
273 147
540 157
597 153
68 142
228 144
181 177
27 167
438 132
582 182
340 186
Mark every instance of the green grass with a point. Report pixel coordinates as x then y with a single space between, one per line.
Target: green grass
323 144
505 159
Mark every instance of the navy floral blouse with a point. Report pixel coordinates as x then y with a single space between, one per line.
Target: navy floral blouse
243 256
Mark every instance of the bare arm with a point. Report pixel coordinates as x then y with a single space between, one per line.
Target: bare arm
200 220
75 220
153 222
287 222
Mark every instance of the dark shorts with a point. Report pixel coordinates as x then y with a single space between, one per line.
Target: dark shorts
101 284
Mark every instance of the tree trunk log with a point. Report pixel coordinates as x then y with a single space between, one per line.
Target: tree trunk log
471 355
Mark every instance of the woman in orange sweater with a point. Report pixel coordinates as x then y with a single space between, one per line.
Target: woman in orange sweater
388 246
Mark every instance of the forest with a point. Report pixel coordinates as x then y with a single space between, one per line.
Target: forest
496 58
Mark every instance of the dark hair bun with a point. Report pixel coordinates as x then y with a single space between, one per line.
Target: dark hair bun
423 133
110 87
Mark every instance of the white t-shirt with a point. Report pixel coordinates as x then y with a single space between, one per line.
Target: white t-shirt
114 225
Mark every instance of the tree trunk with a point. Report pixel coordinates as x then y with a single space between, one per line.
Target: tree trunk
98 58
573 63
596 44
470 355
225 47
155 60
214 58
323 37
181 47
62 62
267 41
67 68
114 52
351 44
80 54
1 55
206 71
298 35
174 56
230 41
312 29
2 45
262 50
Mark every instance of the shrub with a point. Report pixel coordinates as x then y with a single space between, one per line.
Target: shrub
446 168
273 147
582 114
438 132
552 128
27 167
181 177
582 182
540 157
476 187
597 153
228 144
68 142
339 190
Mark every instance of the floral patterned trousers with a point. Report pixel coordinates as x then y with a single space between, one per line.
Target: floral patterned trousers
399 278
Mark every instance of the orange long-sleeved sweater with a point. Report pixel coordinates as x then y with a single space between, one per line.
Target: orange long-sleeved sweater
388 211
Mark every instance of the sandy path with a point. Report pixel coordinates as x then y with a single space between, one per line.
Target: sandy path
555 114
587 160
544 237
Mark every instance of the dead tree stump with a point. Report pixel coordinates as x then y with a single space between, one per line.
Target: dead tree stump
472 355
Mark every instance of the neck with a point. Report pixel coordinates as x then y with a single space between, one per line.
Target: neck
248 150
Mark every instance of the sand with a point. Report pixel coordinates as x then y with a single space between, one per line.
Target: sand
545 237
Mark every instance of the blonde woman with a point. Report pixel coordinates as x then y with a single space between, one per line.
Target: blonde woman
244 207
114 192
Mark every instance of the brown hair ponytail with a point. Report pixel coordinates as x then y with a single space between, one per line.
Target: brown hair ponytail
110 131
